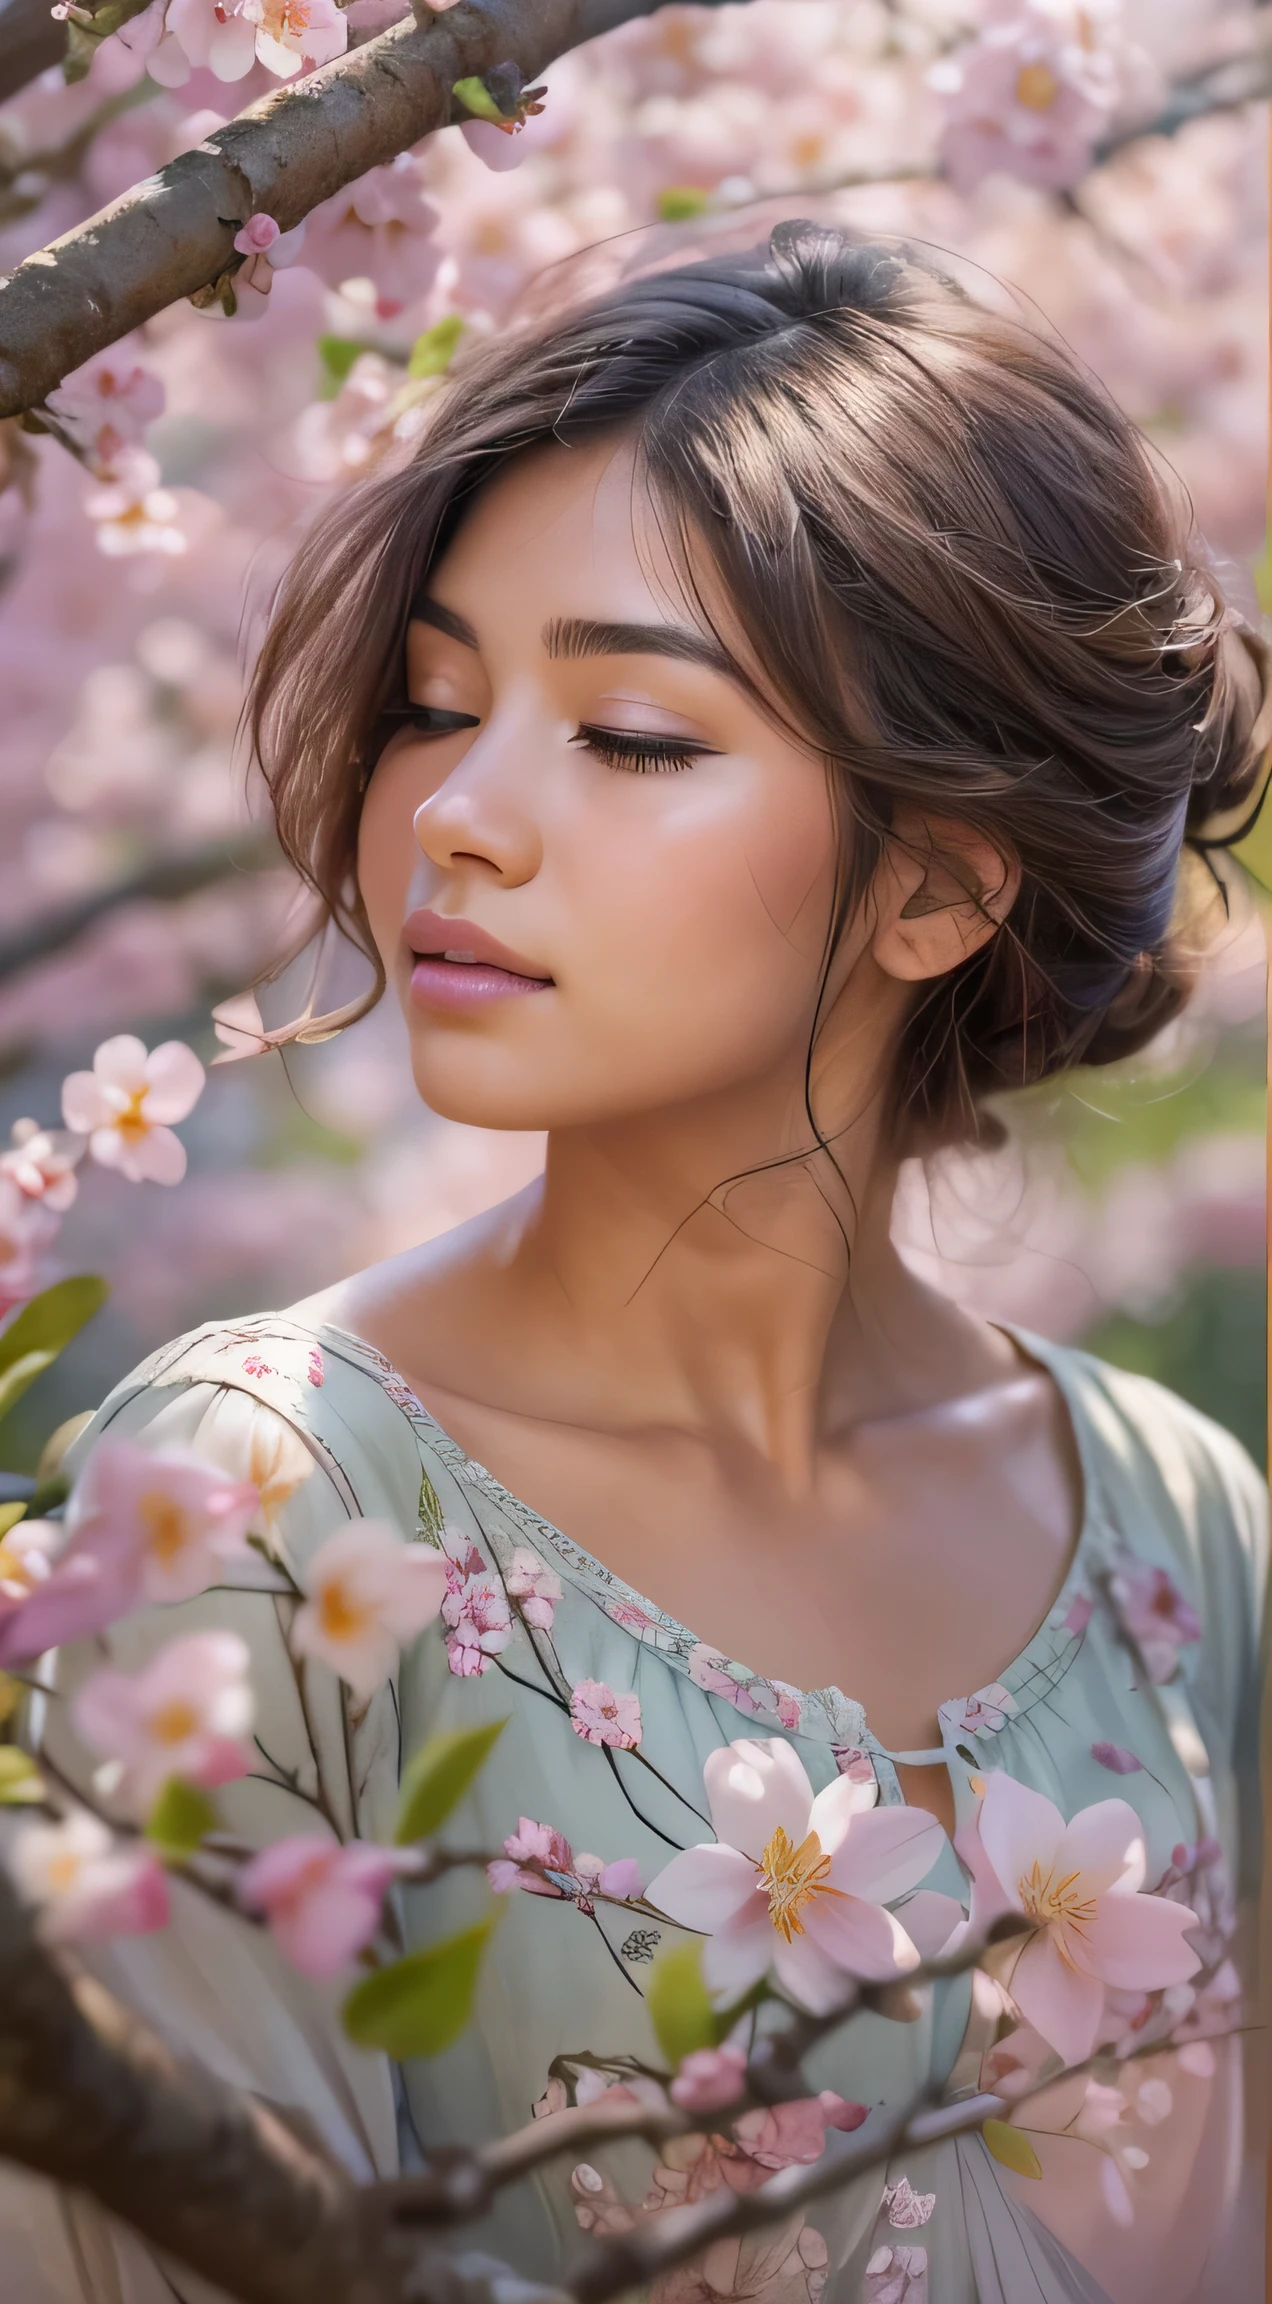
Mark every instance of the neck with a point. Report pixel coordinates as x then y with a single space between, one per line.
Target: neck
718 1272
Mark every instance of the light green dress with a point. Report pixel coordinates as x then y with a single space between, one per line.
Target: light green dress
1149 1697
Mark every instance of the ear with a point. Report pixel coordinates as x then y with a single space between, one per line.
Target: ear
940 892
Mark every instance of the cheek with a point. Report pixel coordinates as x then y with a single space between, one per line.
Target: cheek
715 908
387 848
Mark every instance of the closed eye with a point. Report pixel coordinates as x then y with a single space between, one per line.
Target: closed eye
431 719
639 754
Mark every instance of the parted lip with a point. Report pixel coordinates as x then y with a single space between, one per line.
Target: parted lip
431 934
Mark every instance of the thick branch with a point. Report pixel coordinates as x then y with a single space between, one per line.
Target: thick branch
163 880
174 233
31 41
92 2099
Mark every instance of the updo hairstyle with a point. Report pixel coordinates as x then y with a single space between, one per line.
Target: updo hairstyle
966 580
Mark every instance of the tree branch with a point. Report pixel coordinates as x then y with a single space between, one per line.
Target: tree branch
174 234
164 880
31 42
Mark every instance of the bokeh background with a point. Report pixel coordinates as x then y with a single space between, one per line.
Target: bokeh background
1108 163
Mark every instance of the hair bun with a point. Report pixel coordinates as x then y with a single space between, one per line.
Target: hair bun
1234 751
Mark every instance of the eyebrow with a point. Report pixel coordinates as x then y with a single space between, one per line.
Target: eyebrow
579 636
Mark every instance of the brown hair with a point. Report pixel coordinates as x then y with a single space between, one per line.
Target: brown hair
958 566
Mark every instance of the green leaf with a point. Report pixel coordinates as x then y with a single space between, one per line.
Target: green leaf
10 1514
43 1328
438 1776
476 98
180 1818
431 353
421 2004
676 203
20 1782
679 2004
337 354
1011 2149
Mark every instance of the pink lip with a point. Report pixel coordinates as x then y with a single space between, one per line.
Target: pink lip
493 972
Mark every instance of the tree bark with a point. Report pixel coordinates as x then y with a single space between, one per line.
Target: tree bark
31 41
173 234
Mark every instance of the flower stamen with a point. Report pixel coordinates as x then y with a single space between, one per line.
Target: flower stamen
792 1876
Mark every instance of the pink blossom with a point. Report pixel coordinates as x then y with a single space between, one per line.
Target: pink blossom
626 1613
142 1524
107 405
790 1706
839 2112
601 1717
709 2078
794 1883
534 1586
985 1713
368 1594
708 1670
896 2276
1079 1885
1116 1758
42 1163
475 1608
259 233
87 1886
315 1370
184 1714
125 1104
27 1227
381 227
322 1900
1155 1614
854 1762
26 1558
906 2208
537 1858
1030 95
134 514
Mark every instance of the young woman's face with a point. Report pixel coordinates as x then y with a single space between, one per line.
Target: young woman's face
599 875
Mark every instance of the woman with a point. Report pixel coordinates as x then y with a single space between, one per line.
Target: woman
762 724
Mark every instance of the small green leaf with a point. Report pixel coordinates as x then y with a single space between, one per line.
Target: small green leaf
476 98
421 2004
43 1328
1011 2149
337 354
180 1818
438 1776
20 1781
10 1514
676 203
679 2004
431 353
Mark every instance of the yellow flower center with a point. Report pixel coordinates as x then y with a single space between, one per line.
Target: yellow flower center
132 1120
340 1615
13 1570
1046 1900
1036 87
172 1723
792 1875
165 1525
64 1871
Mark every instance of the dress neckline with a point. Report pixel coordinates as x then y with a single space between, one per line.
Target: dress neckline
825 1715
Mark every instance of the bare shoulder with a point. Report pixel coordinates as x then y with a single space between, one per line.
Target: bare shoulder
440 1289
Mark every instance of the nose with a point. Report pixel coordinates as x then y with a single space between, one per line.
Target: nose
478 814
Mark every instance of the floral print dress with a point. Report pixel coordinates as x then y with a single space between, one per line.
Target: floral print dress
1140 1687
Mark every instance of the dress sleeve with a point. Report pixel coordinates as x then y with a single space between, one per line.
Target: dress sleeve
211 1983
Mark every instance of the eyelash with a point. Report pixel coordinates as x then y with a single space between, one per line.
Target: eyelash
637 755
631 754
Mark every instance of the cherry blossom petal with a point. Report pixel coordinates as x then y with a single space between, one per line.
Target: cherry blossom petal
740 1952
754 1787
851 1794
1136 1943
84 1106
887 1852
1062 2004
174 1080
1106 1844
858 1936
1018 1828
158 1157
120 1066
811 1976
704 1887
